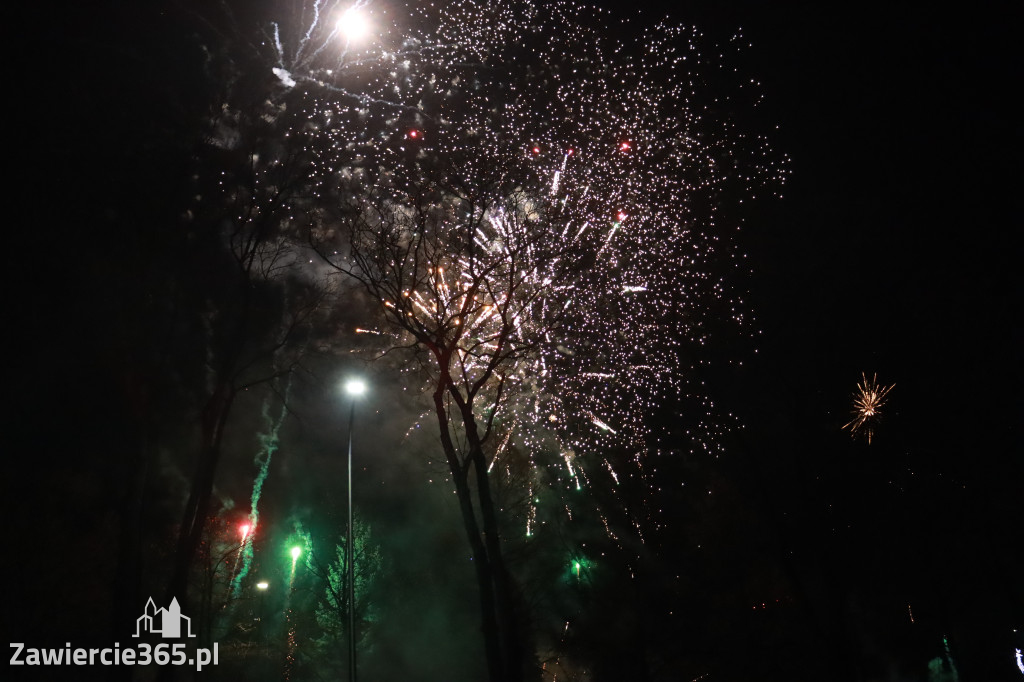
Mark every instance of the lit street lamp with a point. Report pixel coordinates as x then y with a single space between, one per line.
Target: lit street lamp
354 388
262 587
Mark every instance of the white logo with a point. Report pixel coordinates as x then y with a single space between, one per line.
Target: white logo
165 622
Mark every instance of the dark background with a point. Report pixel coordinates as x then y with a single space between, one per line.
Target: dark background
893 251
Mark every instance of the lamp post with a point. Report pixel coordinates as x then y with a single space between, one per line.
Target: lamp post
354 388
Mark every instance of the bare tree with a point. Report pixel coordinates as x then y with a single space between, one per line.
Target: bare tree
254 306
465 282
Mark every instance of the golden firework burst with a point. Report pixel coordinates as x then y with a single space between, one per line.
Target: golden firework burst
868 400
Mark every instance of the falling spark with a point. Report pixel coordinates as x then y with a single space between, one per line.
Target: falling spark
600 424
949 659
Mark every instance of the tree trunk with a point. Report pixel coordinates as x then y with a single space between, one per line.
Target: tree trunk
490 625
197 509
508 625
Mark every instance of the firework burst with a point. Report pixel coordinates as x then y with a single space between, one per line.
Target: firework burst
868 400
548 196
540 203
570 222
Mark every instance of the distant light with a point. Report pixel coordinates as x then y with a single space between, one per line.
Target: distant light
536 150
355 387
625 146
262 585
354 24
414 134
296 551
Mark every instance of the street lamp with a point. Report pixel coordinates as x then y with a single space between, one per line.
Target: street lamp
262 587
355 388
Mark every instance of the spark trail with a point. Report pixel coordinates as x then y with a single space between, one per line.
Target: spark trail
299 544
268 445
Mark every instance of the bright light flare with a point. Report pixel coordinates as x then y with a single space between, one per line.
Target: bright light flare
296 553
244 530
354 25
262 585
355 387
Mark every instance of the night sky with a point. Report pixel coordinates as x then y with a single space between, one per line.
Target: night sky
820 556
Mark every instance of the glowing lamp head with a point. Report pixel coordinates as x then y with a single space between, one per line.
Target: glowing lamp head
354 25
262 585
244 530
355 387
296 552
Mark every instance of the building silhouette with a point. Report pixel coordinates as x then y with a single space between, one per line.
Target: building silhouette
165 622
